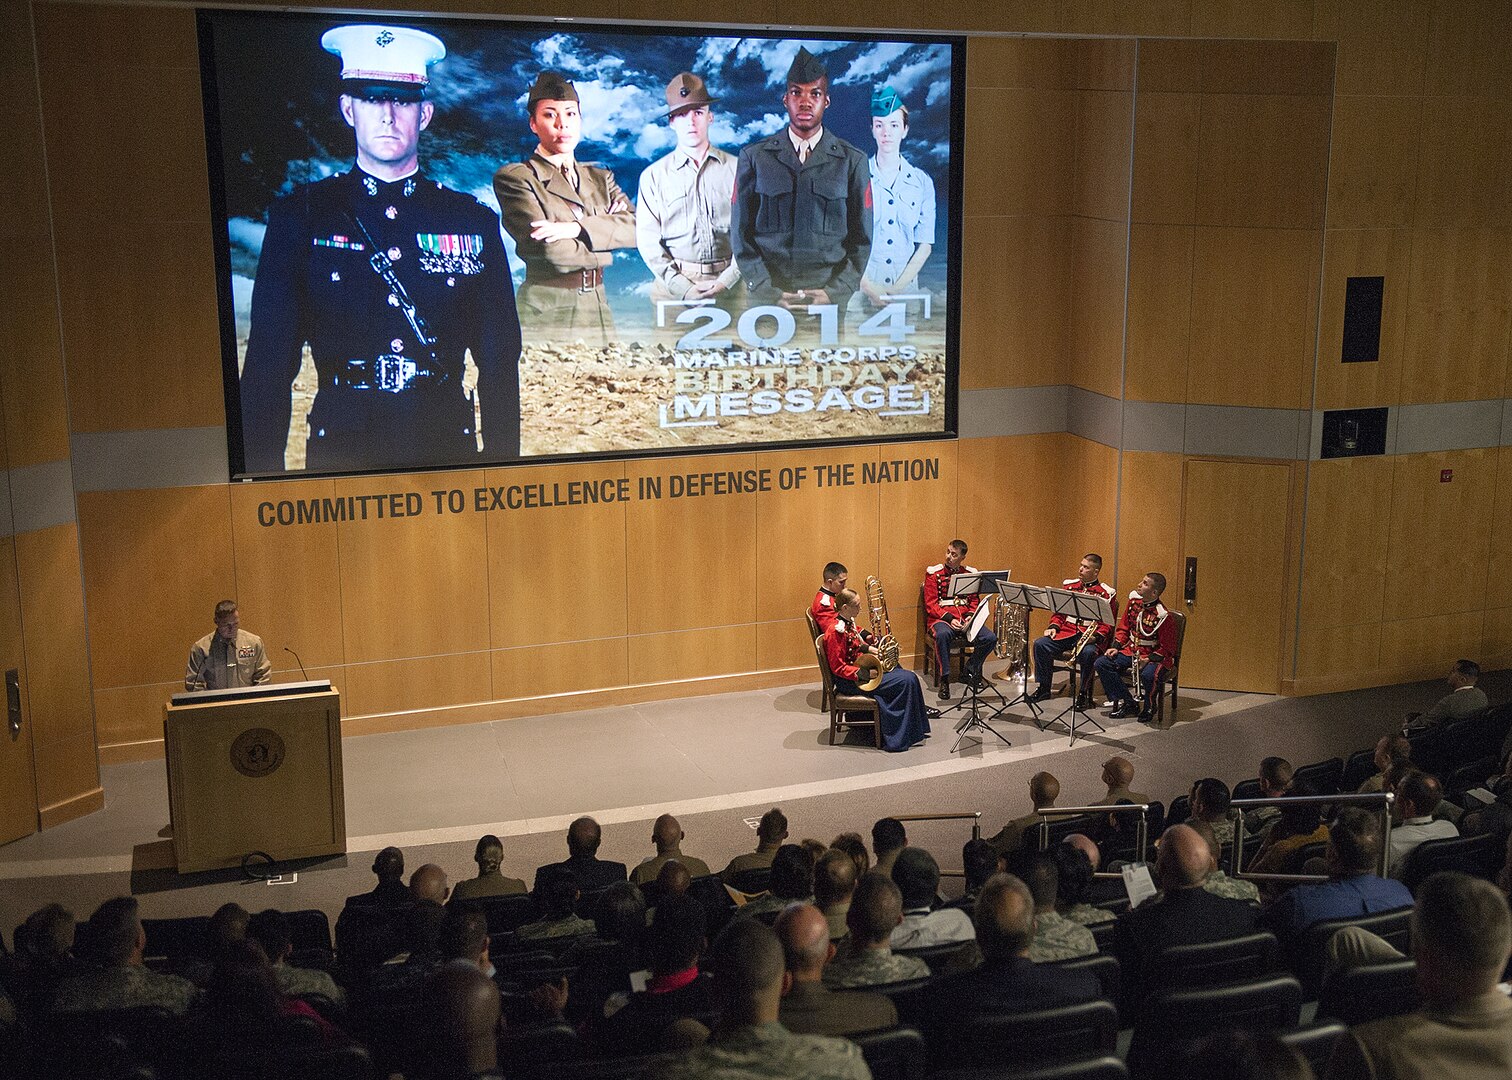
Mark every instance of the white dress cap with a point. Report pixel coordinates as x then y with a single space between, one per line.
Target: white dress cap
397 54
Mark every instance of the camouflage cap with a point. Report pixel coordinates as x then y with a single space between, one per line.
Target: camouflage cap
885 101
687 91
806 68
551 86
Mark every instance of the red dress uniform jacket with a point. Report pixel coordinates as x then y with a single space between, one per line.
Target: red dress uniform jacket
824 610
842 645
1150 627
1063 629
937 605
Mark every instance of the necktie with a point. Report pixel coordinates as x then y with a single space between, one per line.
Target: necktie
803 152
570 175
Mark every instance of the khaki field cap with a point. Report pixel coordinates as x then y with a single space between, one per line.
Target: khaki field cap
687 91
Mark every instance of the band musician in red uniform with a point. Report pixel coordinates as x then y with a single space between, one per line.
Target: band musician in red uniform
947 617
825 607
900 698
1148 630
1064 632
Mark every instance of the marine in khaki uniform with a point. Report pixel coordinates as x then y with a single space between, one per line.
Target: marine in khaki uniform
566 219
228 657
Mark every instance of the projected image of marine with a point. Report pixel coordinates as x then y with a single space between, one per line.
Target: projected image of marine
396 287
903 205
803 204
566 219
683 205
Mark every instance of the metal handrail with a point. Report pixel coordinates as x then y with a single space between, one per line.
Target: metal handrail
976 829
1142 829
1384 798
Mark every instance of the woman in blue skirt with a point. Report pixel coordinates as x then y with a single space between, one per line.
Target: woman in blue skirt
900 698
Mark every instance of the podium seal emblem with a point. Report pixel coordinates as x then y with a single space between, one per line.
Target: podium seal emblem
257 752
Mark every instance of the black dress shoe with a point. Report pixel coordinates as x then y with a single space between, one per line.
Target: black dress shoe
944 689
1122 711
1146 718
933 714
1042 694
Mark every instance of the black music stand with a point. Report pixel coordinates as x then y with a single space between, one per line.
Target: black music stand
1082 607
980 583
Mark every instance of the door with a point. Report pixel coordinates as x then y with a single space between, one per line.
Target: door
1234 525
18 787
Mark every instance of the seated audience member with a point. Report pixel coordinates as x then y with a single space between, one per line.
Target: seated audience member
917 876
242 1003
1055 936
808 1006
674 880
792 883
226 928
1390 750
771 831
1217 882
852 844
1300 824
1209 800
1274 776
121 981
490 882
815 848
1183 914
668 836
676 988
465 941
43 958
1353 887
1417 794
1461 937
1074 872
1494 817
834 886
888 839
366 927
979 861
749 1043
415 948
865 957
557 897
1007 980
1118 774
617 948
1464 699
270 929
591 872
390 891
460 1020
1044 789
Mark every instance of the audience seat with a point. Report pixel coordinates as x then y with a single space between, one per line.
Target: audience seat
310 934
895 1054
110 1043
1177 1017
1358 768
1103 965
610 1068
309 1060
1068 1033
1101 1068
946 958
1479 856
504 913
757 879
1181 809
1309 950
1322 776
538 1050
1298 859
716 901
1470 776
1247 789
1314 1041
177 939
1088 824
1355 995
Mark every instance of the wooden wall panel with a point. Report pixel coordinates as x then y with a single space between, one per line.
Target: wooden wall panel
1231 66
288 577
1252 19
1090 514
1105 64
1159 335
1009 515
1347 540
67 771
1263 160
1169 65
424 682
1501 519
1254 316
1023 150
1496 640
1465 165
1373 160
411 586
1427 646
667 538
1099 274
786 644
175 540
1338 652
1103 138
528 548
535 670
1044 63
1382 44
1165 157
31 365
1457 314
1467 48
1015 301
1362 253
18 786
1153 18
1149 527
52 616
692 654
919 518
1441 532
798 531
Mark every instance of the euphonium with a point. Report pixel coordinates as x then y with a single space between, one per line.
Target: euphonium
885 644
1010 622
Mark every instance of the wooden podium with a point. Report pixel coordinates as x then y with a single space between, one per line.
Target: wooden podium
254 773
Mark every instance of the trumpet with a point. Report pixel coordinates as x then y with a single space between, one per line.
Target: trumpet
1137 690
886 645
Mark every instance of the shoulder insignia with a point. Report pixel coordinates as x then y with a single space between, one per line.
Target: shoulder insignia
935 569
1070 583
1134 595
825 601
971 570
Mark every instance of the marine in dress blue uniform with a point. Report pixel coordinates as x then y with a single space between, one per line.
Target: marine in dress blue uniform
390 347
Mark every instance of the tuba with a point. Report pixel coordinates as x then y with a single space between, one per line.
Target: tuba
885 644
1010 622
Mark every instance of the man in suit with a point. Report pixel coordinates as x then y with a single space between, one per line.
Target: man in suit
808 1006
1183 914
566 218
591 872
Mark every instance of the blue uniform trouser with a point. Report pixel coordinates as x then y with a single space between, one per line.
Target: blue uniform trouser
1047 650
981 647
1110 670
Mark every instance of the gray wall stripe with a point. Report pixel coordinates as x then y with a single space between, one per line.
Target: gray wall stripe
1013 410
1154 426
7 522
1094 416
1238 431
1452 425
164 458
41 496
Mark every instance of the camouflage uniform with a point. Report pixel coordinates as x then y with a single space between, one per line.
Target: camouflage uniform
1059 938
1223 830
301 982
853 966
767 1052
542 929
124 987
1257 821
1088 914
1220 884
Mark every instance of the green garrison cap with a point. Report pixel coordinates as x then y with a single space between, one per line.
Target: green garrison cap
885 101
551 86
807 68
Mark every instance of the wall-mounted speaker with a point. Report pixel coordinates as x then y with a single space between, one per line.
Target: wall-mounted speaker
1354 432
1362 319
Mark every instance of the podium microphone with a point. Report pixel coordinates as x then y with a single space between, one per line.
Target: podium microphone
298 661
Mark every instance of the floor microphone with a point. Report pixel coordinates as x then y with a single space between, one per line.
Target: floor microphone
298 661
